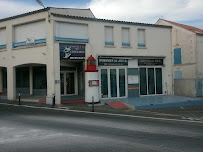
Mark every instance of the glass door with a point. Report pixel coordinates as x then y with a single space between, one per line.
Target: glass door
113 82
70 83
67 83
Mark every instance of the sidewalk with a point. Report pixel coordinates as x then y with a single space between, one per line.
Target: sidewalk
194 113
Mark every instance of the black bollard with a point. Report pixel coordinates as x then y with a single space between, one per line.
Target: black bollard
92 104
53 104
19 98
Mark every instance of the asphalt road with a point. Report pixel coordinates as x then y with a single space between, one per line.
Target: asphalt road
26 129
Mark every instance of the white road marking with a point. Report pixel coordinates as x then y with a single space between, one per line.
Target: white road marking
100 113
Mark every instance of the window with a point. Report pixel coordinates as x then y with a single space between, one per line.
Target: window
177 56
125 37
141 38
151 81
113 82
3 38
109 35
71 32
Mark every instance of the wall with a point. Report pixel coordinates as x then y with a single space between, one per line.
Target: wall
185 87
199 42
184 39
158 44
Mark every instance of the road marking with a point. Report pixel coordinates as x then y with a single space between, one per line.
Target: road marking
101 113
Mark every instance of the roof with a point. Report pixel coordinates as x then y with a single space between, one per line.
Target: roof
81 17
110 21
187 27
70 11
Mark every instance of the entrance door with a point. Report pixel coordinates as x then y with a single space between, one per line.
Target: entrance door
150 81
68 83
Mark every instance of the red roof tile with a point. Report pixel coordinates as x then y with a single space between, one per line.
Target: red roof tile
187 27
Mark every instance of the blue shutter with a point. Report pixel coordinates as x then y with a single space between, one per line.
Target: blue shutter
178 74
177 56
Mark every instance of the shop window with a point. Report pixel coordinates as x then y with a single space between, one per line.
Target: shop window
141 40
151 81
109 35
113 82
177 56
22 77
125 37
39 78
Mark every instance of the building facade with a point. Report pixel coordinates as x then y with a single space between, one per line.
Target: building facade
187 53
69 52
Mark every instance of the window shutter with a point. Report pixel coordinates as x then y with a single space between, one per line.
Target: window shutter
125 35
177 56
108 34
141 37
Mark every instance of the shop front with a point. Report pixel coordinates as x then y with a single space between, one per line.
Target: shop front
151 82
130 77
72 77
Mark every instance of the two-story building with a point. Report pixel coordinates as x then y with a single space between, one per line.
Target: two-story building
69 52
187 54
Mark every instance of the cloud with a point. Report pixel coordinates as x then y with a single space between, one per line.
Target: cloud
148 10
11 8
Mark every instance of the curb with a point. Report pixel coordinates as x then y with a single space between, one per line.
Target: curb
108 114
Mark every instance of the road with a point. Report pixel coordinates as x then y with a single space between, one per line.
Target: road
25 129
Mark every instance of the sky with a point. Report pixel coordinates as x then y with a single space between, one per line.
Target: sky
189 12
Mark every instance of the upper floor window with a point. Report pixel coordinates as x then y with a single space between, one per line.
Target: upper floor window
2 38
125 37
109 35
71 32
141 40
177 56
35 32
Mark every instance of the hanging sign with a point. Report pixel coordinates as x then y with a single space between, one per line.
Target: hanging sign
112 62
72 51
150 62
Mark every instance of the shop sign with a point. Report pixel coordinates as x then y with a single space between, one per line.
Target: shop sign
72 51
112 62
30 41
150 62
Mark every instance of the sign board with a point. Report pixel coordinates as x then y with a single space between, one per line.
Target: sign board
93 83
150 62
112 62
30 41
72 51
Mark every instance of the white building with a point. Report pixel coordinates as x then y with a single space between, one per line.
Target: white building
45 52
187 54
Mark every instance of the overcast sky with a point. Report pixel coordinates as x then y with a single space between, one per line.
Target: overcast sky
188 12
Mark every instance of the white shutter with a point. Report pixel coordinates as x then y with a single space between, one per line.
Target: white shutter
141 36
71 30
125 35
108 34
3 36
36 30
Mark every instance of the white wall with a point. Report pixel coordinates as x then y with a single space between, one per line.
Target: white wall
36 29
158 43
199 41
70 30
184 39
2 36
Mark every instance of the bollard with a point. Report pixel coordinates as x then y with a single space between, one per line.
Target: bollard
19 99
53 104
92 104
